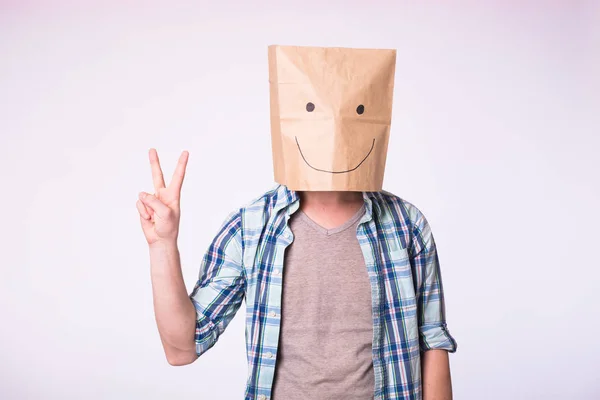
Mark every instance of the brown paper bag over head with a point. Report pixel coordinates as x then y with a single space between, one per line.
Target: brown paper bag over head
331 111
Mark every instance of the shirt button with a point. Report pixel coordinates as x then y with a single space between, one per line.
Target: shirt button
277 272
272 314
262 397
269 355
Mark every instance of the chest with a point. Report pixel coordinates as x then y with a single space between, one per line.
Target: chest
376 260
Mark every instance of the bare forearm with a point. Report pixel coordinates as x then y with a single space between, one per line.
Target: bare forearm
174 311
437 383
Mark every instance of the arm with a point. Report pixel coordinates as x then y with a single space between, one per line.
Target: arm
174 312
220 289
435 339
186 324
159 217
190 325
435 375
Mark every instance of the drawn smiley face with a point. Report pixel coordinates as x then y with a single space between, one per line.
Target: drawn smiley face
310 107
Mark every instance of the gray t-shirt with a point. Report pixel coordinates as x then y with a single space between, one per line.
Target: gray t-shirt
325 342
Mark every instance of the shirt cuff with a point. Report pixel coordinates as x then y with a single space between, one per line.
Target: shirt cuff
436 337
206 335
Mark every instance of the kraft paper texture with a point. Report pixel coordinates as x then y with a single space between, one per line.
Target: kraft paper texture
331 111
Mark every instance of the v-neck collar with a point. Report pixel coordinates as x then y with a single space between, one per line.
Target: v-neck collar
328 232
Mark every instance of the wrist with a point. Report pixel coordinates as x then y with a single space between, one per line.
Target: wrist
169 245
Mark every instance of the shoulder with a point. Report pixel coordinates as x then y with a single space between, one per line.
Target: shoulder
256 212
398 209
406 219
269 200
260 208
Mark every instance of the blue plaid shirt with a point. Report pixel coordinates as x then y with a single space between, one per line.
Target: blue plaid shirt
246 260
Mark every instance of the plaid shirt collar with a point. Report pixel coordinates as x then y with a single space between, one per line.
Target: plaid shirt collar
289 200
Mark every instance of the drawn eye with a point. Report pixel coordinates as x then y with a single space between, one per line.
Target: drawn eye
360 109
310 107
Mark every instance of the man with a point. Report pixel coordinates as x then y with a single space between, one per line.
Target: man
341 280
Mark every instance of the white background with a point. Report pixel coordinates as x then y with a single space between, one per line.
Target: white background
494 137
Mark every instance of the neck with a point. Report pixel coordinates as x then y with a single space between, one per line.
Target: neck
330 199
330 209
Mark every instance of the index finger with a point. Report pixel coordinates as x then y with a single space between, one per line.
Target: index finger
179 173
157 175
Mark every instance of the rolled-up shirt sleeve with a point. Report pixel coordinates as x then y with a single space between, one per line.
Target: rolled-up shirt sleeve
220 288
433 328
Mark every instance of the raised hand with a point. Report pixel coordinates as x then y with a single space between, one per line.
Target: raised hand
160 212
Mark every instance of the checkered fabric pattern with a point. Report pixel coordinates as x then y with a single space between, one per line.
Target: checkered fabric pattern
245 261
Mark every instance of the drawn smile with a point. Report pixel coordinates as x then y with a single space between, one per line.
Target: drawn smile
335 172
